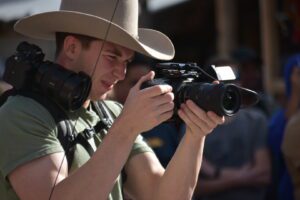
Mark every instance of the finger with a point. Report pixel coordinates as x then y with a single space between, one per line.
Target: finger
156 90
216 118
149 76
200 113
167 107
190 125
165 116
196 120
162 99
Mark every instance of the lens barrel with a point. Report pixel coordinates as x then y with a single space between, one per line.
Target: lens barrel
223 99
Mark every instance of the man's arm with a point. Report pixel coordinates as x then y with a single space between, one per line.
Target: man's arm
146 179
143 110
96 178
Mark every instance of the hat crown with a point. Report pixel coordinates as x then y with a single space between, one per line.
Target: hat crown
123 13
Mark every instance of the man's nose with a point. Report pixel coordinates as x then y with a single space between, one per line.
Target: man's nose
120 71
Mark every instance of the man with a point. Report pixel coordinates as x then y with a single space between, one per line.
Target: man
102 40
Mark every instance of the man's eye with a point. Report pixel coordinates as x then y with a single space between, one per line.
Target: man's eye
111 57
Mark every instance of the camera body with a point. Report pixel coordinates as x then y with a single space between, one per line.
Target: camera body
27 70
190 81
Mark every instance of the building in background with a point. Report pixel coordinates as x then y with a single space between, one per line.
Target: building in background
199 29
10 12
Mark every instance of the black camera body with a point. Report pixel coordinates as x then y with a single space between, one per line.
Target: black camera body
27 70
189 81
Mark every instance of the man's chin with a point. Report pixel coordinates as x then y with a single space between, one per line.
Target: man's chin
102 97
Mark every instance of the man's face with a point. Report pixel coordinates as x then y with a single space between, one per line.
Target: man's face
106 70
134 73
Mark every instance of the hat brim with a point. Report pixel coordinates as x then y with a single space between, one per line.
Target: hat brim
43 26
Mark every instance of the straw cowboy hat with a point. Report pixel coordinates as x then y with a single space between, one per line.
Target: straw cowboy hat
118 19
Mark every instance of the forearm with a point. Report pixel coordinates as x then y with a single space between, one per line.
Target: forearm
96 178
256 177
180 177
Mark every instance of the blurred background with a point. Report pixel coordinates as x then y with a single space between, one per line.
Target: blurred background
200 30
260 37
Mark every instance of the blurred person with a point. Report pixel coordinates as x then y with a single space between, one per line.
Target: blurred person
99 38
4 86
291 153
236 160
2 66
250 76
281 178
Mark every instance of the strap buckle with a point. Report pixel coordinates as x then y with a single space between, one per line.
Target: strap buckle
88 133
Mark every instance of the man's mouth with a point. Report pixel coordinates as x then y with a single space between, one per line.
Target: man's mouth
107 85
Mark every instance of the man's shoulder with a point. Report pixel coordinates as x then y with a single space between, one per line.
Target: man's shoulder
19 106
114 107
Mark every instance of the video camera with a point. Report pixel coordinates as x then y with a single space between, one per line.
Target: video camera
27 70
190 81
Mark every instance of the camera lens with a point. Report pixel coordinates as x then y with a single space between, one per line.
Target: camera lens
231 99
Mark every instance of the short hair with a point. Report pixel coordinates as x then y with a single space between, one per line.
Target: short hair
60 37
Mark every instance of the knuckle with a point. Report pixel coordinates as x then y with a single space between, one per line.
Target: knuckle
172 104
169 97
158 89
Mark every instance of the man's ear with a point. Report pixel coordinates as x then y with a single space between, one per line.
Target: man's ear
72 47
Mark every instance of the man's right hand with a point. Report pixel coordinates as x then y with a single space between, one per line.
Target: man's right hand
146 108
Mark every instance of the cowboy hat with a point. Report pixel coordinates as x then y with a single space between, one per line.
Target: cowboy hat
115 21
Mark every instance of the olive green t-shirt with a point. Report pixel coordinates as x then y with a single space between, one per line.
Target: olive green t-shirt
28 131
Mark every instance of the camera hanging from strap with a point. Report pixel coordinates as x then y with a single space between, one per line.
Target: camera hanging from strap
67 135
38 79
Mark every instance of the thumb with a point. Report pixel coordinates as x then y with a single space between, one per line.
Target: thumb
144 78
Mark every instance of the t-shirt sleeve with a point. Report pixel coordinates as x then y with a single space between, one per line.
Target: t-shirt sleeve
28 131
140 146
